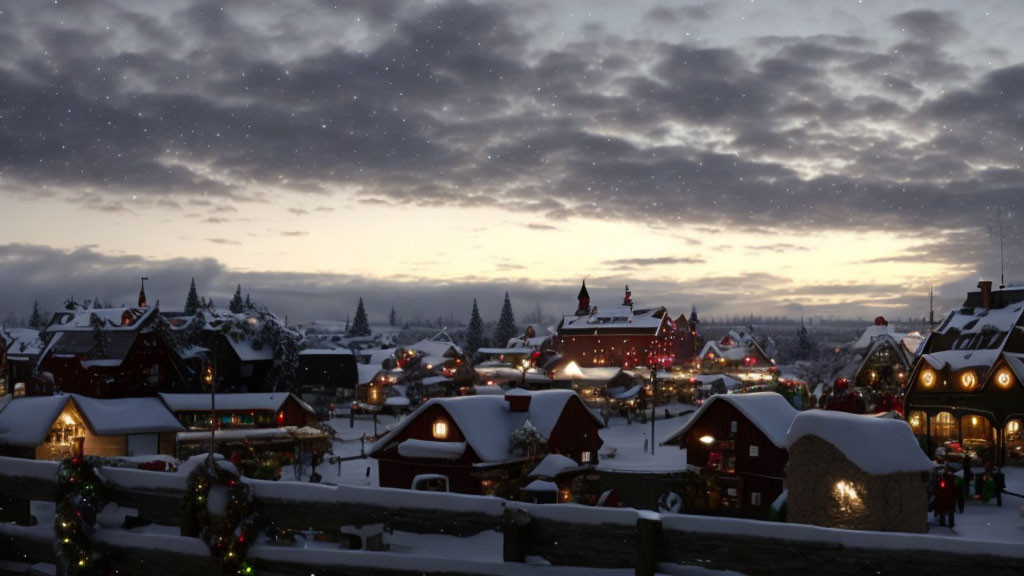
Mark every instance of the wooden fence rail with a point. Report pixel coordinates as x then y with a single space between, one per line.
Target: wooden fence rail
565 535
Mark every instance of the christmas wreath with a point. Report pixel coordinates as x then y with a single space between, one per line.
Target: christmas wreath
80 497
219 508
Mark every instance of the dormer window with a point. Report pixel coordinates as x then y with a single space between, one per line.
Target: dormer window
440 429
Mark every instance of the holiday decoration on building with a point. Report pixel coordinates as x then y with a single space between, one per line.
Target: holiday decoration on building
80 497
219 509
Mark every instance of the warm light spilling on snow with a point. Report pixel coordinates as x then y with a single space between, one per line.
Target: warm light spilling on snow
572 370
1004 379
927 378
440 430
968 380
707 439
847 495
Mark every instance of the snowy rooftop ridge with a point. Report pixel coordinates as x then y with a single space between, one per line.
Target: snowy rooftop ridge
616 317
769 411
269 401
875 445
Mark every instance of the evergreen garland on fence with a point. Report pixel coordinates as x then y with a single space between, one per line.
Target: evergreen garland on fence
228 536
80 497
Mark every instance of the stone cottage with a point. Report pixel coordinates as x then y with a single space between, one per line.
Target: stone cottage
856 472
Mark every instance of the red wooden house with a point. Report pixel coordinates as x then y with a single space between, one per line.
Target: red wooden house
106 353
624 336
246 410
468 440
738 441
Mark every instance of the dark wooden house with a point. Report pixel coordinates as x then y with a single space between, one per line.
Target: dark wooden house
331 371
738 441
106 353
965 393
469 440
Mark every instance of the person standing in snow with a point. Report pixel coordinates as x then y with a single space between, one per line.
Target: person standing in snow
945 498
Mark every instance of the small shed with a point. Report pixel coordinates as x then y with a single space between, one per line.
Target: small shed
48 427
856 473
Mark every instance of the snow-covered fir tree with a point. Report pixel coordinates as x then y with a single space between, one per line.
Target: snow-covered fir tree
36 321
236 305
528 441
475 332
805 348
393 317
360 325
248 303
192 299
506 328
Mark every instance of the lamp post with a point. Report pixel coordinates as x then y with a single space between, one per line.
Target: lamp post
654 396
523 367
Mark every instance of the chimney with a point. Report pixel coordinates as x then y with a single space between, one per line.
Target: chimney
986 293
518 400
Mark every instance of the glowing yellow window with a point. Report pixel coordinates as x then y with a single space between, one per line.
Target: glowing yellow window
440 429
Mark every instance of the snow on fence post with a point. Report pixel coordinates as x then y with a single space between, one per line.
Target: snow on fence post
649 540
515 534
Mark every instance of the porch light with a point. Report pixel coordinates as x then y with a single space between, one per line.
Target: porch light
440 429
928 378
974 420
707 439
1003 378
968 379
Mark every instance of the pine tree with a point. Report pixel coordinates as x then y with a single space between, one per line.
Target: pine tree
506 328
192 300
393 317
360 325
236 304
804 345
36 321
475 332
248 303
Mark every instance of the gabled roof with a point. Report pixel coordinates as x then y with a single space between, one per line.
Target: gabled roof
981 328
768 411
116 416
616 318
487 422
263 401
875 445
21 341
109 319
26 421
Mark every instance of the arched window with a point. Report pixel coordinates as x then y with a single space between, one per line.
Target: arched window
1013 437
944 431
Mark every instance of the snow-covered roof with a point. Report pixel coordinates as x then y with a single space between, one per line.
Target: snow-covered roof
768 411
1016 362
487 422
432 380
540 486
415 448
961 359
21 341
107 318
26 421
552 465
326 352
974 320
596 374
617 317
265 401
875 445
115 416
376 356
367 372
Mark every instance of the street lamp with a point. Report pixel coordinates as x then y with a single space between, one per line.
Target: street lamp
523 367
654 396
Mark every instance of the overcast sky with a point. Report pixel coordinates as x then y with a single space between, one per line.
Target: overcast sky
777 158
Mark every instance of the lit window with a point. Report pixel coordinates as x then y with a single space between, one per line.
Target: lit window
753 451
585 457
440 429
928 378
1004 379
968 380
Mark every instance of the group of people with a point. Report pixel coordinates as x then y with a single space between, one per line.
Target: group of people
950 491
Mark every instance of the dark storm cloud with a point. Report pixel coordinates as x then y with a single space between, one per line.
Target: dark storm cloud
458 103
